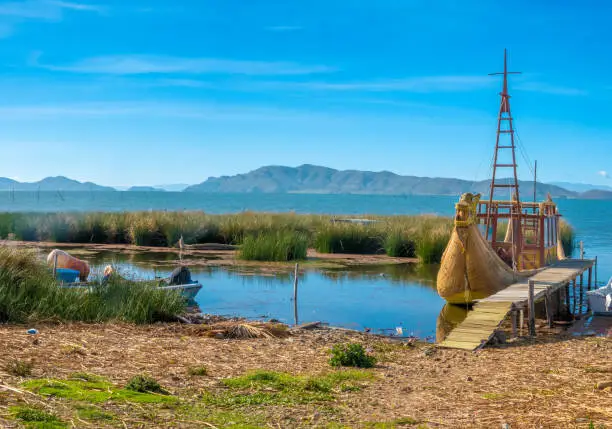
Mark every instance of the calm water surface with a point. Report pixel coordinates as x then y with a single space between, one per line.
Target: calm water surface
381 298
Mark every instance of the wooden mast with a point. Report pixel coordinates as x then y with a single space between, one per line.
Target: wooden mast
505 127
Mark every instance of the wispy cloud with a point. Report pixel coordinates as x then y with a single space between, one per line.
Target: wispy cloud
152 64
200 111
14 13
284 28
422 84
546 88
604 174
47 10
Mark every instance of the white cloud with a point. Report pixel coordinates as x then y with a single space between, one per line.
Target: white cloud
151 64
412 84
603 173
284 28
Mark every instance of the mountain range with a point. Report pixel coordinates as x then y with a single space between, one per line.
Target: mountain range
316 179
323 180
58 183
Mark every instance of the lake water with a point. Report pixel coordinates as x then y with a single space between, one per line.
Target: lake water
356 299
380 298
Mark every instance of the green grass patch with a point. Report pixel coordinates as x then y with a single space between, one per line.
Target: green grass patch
94 414
393 424
198 371
274 246
253 419
494 396
37 418
93 391
144 384
28 292
278 388
19 368
351 355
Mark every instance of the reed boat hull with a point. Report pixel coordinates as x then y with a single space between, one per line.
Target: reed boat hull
471 270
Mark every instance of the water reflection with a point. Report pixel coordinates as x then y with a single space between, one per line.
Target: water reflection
450 316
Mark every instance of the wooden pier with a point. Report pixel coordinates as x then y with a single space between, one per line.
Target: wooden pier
487 314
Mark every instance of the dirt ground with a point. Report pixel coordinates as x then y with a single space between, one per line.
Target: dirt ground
549 382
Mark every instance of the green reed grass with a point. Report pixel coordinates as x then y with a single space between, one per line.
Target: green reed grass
28 292
274 246
568 238
349 238
407 236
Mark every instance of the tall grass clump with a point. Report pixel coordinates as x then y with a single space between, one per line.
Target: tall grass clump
274 246
28 292
568 237
398 243
348 238
431 241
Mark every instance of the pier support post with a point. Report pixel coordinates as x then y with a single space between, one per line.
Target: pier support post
589 284
567 297
549 309
581 293
581 249
574 296
514 319
531 304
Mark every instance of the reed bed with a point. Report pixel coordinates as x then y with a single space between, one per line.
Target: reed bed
28 292
262 236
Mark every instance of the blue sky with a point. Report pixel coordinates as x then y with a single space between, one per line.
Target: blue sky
150 92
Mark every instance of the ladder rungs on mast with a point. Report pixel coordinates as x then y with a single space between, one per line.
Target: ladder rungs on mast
504 186
505 165
505 147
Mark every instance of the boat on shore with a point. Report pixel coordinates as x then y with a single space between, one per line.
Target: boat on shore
498 241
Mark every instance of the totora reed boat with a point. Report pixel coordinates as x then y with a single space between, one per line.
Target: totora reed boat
497 242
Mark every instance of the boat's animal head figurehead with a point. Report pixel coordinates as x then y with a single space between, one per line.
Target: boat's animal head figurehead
465 209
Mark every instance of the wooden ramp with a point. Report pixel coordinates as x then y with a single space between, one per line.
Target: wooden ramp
478 327
487 314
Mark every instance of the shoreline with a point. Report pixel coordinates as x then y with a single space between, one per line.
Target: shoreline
221 258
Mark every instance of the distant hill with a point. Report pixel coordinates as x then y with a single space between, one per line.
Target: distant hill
144 189
580 187
173 187
58 183
315 179
596 194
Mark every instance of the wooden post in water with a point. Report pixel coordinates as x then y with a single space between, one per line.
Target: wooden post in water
567 297
574 294
596 271
531 304
295 293
521 320
589 279
581 292
514 319
581 249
